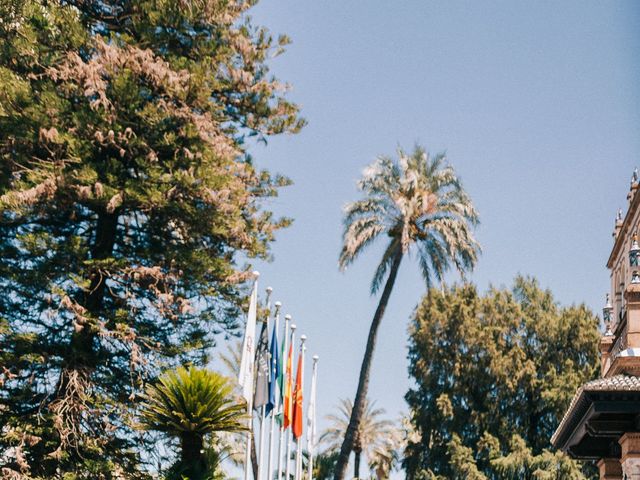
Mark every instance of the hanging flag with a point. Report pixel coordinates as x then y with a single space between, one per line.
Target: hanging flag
245 376
311 409
287 407
297 401
274 372
282 372
261 396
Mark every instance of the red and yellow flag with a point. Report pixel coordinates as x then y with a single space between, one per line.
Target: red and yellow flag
297 402
287 403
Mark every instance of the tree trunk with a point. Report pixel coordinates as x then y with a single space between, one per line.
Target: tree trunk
80 361
365 370
254 457
356 463
192 458
82 355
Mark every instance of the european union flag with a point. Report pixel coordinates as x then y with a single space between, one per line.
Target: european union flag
274 400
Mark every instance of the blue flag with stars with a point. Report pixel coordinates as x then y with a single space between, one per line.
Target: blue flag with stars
274 399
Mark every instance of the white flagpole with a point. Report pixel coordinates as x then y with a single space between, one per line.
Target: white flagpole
285 350
298 475
311 418
274 411
263 420
264 408
288 431
247 371
247 456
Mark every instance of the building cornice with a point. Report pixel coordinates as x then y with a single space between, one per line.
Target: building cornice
626 227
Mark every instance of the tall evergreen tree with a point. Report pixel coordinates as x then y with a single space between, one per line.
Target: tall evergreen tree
416 202
127 205
494 374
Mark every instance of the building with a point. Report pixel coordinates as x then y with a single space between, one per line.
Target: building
603 419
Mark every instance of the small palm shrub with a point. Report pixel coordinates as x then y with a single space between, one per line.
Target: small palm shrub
190 404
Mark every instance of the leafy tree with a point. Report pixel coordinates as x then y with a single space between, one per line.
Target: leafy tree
376 438
417 203
494 374
128 204
189 404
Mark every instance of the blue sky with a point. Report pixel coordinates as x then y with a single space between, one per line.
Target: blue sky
537 105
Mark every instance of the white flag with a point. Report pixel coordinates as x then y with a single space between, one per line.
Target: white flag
245 377
311 410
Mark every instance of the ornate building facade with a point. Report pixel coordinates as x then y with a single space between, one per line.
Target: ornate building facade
603 419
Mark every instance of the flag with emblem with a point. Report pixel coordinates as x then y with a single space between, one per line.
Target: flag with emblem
297 401
245 376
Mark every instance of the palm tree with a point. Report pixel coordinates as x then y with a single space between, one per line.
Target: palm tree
189 404
324 465
373 435
417 203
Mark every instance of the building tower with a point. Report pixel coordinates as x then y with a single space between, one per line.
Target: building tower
603 419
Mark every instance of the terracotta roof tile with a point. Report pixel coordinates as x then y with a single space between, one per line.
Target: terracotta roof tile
617 383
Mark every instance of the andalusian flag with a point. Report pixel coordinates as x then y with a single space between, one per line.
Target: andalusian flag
297 401
288 400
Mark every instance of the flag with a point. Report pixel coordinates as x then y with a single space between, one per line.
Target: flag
311 409
281 375
261 396
297 401
245 376
274 372
287 407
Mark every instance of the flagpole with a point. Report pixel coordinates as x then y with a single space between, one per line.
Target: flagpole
298 474
263 413
272 434
311 425
249 347
285 351
247 456
288 431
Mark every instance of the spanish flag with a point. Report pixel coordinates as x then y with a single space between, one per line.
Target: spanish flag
297 401
287 405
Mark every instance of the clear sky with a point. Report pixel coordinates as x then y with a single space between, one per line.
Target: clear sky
537 105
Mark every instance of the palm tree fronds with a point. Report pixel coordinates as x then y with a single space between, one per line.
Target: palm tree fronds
192 400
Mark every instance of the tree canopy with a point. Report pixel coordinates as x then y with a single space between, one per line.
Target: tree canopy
128 208
494 374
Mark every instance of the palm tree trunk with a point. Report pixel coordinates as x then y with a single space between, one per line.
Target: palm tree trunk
365 370
254 457
356 463
192 458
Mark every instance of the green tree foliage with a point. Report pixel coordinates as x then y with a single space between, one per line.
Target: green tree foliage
190 404
418 204
494 375
324 465
128 205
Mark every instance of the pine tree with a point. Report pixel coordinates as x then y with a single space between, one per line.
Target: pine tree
494 374
128 204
